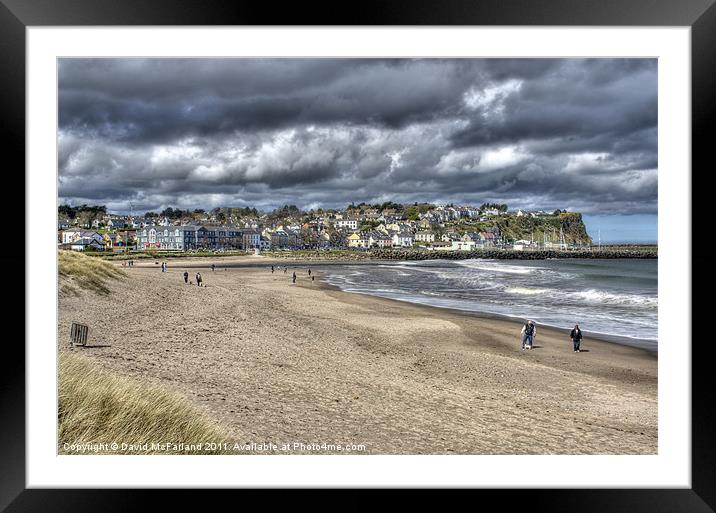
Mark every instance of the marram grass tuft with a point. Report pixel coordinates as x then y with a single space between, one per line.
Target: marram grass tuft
97 406
77 271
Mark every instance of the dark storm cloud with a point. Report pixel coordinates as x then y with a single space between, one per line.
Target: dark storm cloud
574 102
538 133
158 100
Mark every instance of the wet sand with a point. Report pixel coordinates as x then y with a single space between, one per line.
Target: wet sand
282 363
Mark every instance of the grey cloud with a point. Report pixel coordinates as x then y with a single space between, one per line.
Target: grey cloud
537 133
154 101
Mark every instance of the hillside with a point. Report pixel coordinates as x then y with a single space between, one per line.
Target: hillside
541 228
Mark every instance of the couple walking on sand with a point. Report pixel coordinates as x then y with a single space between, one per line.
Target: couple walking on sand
198 278
529 331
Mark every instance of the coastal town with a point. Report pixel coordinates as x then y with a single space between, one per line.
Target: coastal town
389 225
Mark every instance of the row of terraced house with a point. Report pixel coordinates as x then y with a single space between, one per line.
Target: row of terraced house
188 237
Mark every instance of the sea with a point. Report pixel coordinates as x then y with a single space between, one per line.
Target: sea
614 300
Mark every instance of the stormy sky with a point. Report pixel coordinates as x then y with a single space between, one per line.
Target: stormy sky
201 133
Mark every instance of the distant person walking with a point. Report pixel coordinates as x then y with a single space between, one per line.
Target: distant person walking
309 271
186 276
271 269
198 279
293 279
576 336
285 270
529 330
213 267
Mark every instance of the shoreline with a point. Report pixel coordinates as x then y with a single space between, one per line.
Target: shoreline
279 362
602 337
516 322
251 261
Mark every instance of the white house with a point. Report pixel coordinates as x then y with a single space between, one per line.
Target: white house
463 245
425 237
351 224
402 240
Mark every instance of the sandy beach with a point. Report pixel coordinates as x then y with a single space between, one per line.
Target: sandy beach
283 363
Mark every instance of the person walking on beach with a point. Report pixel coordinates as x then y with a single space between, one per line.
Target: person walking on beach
271 269
198 279
294 277
285 270
576 336
213 267
309 271
186 276
529 330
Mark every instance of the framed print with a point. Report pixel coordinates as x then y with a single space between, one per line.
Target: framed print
295 249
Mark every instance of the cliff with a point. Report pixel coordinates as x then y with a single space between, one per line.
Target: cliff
540 228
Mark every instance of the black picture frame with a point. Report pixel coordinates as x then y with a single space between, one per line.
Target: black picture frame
700 15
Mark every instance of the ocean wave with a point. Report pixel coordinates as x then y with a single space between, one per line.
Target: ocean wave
603 297
527 291
499 267
590 296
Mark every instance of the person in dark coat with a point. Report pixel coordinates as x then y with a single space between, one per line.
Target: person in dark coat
198 279
294 277
186 276
576 336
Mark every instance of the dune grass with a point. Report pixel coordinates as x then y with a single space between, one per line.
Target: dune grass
97 406
78 271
